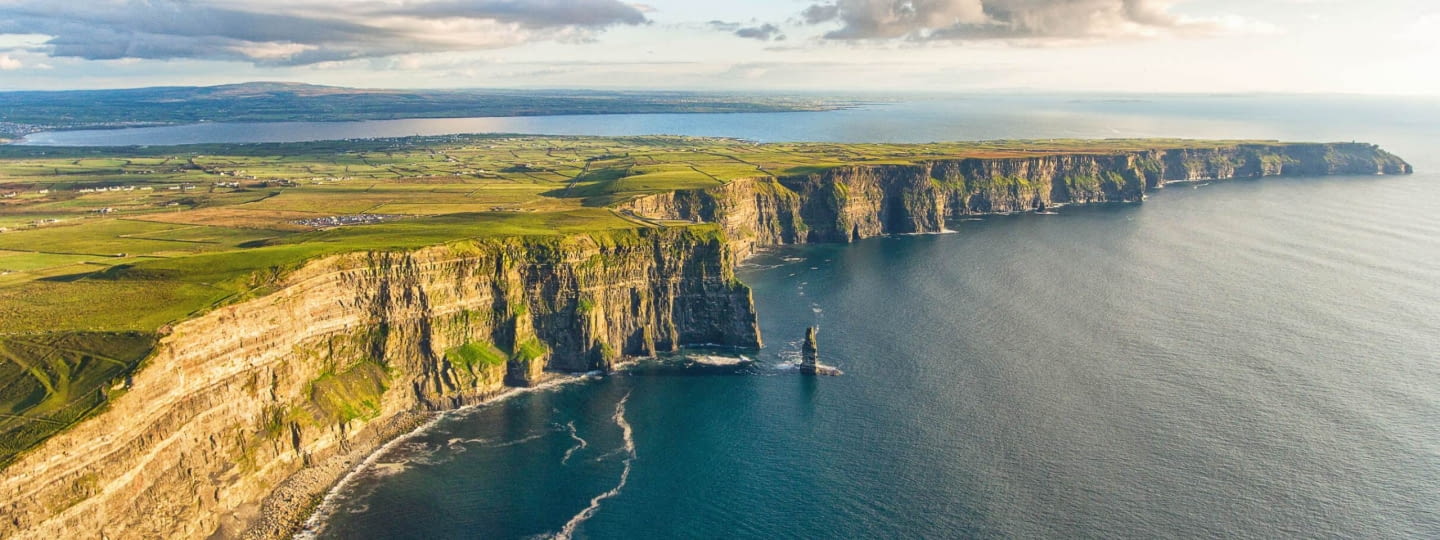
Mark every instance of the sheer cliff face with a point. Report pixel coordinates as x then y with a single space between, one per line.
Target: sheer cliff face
340 357
849 203
235 401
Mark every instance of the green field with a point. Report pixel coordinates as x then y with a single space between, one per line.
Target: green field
101 248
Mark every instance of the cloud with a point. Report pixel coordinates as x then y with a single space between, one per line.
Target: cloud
531 13
8 63
974 20
298 32
762 32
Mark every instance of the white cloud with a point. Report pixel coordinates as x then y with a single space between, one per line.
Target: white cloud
298 32
8 63
1019 20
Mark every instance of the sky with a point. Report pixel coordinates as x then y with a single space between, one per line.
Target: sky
1286 46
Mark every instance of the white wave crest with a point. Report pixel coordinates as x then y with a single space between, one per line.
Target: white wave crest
712 360
336 496
629 436
340 493
580 443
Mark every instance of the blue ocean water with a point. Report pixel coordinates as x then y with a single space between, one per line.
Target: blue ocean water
1253 358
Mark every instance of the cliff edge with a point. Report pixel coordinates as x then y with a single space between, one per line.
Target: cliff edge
291 388
844 204
343 355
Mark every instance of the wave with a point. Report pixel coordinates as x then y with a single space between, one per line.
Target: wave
456 441
629 436
514 442
942 230
330 504
759 266
510 393
712 360
419 453
381 470
580 443
340 493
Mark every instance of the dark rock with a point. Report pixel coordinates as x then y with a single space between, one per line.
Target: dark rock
810 353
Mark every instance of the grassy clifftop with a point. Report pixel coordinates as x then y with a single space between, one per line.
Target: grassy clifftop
102 248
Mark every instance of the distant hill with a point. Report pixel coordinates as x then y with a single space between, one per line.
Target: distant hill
32 111
298 89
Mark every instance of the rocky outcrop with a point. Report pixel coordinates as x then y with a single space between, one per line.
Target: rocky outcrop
236 401
844 204
810 357
809 353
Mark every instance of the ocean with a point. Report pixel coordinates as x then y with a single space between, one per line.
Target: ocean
1249 358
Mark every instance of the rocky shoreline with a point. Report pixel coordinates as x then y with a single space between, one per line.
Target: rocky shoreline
287 512
283 513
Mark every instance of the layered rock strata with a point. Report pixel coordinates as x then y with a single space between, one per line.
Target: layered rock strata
236 401
844 204
351 349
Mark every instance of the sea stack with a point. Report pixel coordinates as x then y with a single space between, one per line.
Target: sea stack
809 354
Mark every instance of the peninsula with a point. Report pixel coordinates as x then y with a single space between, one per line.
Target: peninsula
202 339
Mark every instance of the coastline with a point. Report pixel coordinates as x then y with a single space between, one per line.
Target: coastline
288 509
302 504
841 206
749 250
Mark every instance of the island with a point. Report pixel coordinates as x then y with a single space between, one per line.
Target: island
202 339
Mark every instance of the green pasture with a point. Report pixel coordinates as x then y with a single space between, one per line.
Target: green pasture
89 275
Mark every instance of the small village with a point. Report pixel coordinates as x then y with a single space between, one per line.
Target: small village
338 221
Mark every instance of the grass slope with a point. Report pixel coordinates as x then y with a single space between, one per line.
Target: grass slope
101 247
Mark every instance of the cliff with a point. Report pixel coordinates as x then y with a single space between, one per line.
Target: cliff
290 388
844 204
234 402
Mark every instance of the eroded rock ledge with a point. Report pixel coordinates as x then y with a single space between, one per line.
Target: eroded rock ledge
346 352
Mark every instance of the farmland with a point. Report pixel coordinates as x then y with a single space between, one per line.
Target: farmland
102 248
82 224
